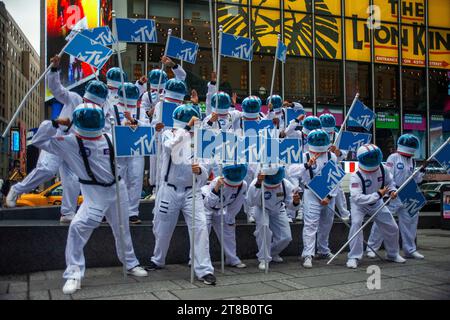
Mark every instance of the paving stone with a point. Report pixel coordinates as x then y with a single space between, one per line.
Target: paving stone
305 294
18 287
394 295
408 270
185 284
281 286
387 285
39 276
40 295
57 294
223 292
14 296
165 295
428 293
251 278
144 296
4 285
332 279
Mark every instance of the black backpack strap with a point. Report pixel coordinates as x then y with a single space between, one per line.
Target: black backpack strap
69 127
87 166
111 155
383 176
363 182
138 113
284 190
311 173
329 156
116 112
166 179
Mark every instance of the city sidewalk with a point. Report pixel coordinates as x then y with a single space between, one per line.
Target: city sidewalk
427 279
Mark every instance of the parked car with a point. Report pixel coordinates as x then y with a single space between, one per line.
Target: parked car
432 192
49 197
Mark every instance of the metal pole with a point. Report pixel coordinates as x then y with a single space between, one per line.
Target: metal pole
219 62
146 45
344 61
24 100
388 201
169 33
118 202
314 57
372 66
400 62
274 69
222 251
427 73
213 35
250 78
283 64
119 58
94 72
194 191
262 135
341 130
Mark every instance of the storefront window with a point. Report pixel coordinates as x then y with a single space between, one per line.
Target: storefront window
386 86
299 80
329 82
387 131
262 70
439 107
357 77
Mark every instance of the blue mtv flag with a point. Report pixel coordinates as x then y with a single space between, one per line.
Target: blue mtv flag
250 150
292 114
290 152
282 51
443 157
215 145
88 51
136 30
135 143
237 47
329 178
351 141
412 199
182 49
102 35
252 127
167 113
362 115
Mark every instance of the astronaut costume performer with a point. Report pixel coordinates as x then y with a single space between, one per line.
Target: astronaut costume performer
368 186
234 193
401 165
88 151
132 168
228 120
278 194
251 111
175 195
329 125
48 164
316 213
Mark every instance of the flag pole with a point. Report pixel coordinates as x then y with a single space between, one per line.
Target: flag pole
274 68
389 200
118 201
213 35
263 135
25 98
219 61
169 34
341 130
194 191
119 58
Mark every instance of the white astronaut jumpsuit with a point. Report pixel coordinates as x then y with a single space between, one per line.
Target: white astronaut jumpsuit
233 199
275 220
365 200
316 216
175 195
99 201
153 100
132 168
49 164
401 168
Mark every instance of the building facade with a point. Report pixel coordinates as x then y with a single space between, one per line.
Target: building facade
336 48
19 70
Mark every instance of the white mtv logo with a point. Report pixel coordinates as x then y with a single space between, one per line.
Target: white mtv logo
365 120
94 58
412 206
144 34
291 155
334 177
355 145
144 146
242 52
187 54
105 38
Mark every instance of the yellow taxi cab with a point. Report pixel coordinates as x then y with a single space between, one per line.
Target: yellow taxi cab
49 197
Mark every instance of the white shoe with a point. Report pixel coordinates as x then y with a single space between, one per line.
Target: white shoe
240 266
290 220
299 217
71 286
307 263
11 198
262 266
251 220
346 219
397 259
67 218
371 255
138 272
352 263
415 255
277 259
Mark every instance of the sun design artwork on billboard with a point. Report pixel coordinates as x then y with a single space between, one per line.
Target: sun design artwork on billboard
265 26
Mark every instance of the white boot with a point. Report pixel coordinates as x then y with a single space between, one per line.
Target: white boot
11 198
307 263
371 255
67 219
71 286
251 219
262 265
138 272
277 259
397 259
299 216
416 255
352 263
